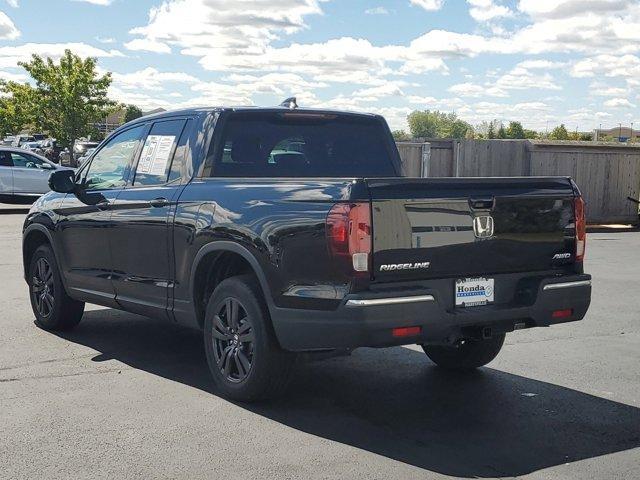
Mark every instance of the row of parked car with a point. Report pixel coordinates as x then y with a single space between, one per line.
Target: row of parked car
26 161
50 149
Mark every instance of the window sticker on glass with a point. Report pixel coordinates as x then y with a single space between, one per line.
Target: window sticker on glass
155 154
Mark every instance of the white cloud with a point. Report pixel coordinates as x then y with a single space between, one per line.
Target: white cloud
375 93
276 83
602 89
11 55
106 40
150 79
591 26
13 3
540 64
451 44
520 78
8 30
532 114
625 66
429 5
562 9
377 11
618 103
469 89
96 2
219 28
12 77
420 100
486 10
147 45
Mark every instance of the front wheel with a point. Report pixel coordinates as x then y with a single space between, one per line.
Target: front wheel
467 355
53 308
244 357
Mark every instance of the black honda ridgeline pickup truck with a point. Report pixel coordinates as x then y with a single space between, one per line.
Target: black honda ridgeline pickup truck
283 230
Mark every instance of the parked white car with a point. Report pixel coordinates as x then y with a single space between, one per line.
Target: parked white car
24 175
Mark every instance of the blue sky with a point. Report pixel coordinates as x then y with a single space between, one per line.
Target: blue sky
542 62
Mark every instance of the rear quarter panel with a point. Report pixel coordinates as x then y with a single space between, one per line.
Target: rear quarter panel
281 222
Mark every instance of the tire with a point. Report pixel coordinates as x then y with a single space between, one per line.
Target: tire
52 307
243 355
468 356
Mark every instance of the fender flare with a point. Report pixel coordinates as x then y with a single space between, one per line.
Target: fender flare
47 233
226 246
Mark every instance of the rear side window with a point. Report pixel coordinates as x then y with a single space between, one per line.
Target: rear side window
154 165
302 145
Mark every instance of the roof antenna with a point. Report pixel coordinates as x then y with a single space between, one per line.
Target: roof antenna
290 103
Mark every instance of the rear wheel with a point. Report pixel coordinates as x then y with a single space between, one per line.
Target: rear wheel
468 355
243 354
53 308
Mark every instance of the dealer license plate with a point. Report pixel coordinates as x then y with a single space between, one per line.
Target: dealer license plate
471 292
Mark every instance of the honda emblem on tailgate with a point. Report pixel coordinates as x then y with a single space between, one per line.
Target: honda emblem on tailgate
483 226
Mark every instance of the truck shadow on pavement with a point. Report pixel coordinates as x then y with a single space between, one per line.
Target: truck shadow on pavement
14 211
394 403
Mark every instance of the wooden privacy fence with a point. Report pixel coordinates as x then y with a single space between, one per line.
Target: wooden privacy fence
607 175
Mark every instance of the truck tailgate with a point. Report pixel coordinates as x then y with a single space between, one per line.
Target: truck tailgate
461 227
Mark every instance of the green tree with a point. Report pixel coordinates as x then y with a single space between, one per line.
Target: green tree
531 134
586 137
70 95
491 131
502 133
515 130
131 113
559 133
436 124
17 106
400 136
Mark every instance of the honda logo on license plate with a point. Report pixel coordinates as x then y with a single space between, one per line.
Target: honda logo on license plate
483 226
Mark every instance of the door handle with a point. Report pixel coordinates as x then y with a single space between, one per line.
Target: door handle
159 202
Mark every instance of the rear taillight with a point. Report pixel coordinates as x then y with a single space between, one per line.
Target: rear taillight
581 228
349 234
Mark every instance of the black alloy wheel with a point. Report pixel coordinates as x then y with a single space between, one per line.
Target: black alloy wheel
233 340
42 288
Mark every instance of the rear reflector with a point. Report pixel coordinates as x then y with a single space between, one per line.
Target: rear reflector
406 331
562 313
581 228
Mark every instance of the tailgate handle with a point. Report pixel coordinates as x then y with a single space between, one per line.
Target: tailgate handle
482 203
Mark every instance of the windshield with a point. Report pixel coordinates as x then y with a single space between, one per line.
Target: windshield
303 145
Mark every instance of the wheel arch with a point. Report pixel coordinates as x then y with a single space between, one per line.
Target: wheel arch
219 260
34 236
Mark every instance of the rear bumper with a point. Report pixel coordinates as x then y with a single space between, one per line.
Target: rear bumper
368 320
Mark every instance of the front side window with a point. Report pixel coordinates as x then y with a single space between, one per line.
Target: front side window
110 166
26 161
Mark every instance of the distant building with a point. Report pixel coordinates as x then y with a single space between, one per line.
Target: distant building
110 122
115 119
617 134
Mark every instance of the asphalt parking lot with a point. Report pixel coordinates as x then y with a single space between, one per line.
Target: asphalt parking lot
123 396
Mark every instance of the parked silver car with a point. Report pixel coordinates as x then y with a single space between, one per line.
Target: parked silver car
24 175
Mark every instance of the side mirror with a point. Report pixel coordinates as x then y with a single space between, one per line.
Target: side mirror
63 181
46 166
